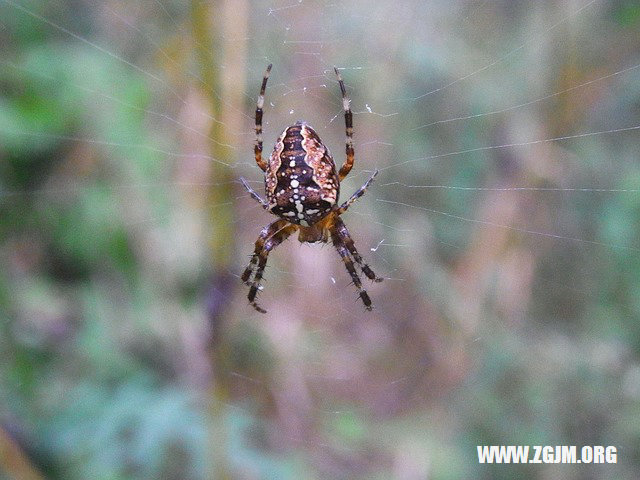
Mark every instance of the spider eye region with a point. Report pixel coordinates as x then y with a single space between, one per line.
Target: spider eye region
301 182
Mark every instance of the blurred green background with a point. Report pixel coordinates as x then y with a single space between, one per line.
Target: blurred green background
505 220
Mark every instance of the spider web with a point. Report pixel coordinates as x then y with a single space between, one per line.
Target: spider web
503 217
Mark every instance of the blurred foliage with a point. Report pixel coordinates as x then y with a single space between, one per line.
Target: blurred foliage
482 334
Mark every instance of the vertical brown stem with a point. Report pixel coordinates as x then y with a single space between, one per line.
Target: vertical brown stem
222 237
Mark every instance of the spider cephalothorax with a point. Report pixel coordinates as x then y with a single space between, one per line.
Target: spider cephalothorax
302 187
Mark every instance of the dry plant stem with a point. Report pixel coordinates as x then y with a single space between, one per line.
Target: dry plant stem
222 232
221 239
14 462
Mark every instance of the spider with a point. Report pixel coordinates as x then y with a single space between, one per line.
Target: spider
302 188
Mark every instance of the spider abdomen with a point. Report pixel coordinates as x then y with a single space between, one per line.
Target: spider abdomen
301 181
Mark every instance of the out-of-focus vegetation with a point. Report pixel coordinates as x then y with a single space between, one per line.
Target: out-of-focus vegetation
511 310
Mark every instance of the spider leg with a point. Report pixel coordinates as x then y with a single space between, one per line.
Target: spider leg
271 243
341 228
266 233
348 120
348 263
258 145
257 197
361 191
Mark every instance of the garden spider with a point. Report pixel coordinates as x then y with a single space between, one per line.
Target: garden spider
302 188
